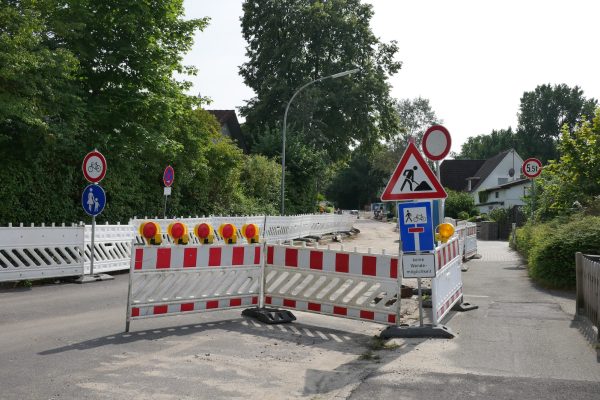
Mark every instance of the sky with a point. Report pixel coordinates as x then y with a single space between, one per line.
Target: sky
472 59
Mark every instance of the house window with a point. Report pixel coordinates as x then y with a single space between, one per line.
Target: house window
497 194
502 181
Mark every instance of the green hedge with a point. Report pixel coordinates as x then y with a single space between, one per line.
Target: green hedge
550 247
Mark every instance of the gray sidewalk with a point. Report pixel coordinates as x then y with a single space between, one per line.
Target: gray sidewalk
523 342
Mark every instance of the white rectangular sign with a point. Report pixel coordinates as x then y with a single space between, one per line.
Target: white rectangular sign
418 265
415 215
167 191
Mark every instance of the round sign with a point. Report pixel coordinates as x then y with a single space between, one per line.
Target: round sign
94 166
436 142
532 167
168 176
93 199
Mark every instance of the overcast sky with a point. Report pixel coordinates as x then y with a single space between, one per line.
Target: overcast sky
472 59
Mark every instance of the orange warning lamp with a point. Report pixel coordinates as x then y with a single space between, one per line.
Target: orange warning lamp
445 232
250 232
229 233
178 231
205 233
150 231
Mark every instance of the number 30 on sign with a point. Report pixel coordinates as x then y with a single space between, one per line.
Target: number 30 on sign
532 167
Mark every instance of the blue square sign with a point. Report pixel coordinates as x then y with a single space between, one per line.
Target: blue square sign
416 226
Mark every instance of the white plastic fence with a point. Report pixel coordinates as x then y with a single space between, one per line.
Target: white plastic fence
112 247
38 252
277 228
112 244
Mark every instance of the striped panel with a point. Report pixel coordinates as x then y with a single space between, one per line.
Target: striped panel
332 310
149 258
156 310
375 265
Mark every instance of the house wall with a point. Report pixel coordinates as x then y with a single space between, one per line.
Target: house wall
501 171
507 198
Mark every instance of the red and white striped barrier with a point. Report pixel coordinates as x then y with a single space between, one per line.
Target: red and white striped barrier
446 287
446 253
343 284
177 279
470 241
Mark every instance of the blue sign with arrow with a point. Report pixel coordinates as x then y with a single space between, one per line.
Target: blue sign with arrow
416 226
93 199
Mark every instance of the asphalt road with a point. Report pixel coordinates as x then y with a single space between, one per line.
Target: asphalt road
66 341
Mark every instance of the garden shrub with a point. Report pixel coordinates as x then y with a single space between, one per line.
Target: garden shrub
550 247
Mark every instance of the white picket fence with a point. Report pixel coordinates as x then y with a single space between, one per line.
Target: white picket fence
37 252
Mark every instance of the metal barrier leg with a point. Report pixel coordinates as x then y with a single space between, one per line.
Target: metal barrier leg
264 314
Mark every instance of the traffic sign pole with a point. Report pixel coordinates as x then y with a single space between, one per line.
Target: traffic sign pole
92 248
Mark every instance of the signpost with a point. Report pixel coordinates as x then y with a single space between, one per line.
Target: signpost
532 168
436 146
93 201
413 180
168 179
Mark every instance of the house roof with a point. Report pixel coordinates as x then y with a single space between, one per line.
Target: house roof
229 118
454 173
517 182
488 167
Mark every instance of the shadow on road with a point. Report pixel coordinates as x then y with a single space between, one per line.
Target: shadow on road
296 332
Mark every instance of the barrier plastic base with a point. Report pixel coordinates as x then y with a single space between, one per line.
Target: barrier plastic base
94 278
464 307
269 315
425 331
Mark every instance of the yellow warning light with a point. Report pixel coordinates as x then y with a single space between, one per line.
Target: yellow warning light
251 232
444 232
150 231
178 231
229 233
205 233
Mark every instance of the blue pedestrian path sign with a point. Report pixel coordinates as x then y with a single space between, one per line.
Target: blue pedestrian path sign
93 199
416 226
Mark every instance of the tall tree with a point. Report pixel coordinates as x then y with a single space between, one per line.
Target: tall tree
482 147
414 116
542 114
291 42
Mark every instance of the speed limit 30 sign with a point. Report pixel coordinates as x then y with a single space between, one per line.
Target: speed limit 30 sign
532 167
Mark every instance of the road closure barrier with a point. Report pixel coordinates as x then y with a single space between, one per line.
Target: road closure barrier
333 282
467 236
446 286
177 279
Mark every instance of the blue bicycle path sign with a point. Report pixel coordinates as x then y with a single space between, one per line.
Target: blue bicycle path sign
416 226
93 199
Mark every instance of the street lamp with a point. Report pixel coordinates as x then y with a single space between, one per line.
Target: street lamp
338 75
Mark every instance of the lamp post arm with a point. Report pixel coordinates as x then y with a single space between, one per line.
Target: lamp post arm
287 108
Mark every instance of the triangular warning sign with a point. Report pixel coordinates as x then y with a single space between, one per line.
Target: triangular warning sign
413 179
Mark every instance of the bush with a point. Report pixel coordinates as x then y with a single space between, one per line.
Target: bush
458 202
550 248
463 215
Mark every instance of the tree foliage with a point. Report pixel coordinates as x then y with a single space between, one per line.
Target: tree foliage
291 42
572 182
482 147
459 202
84 74
543 113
